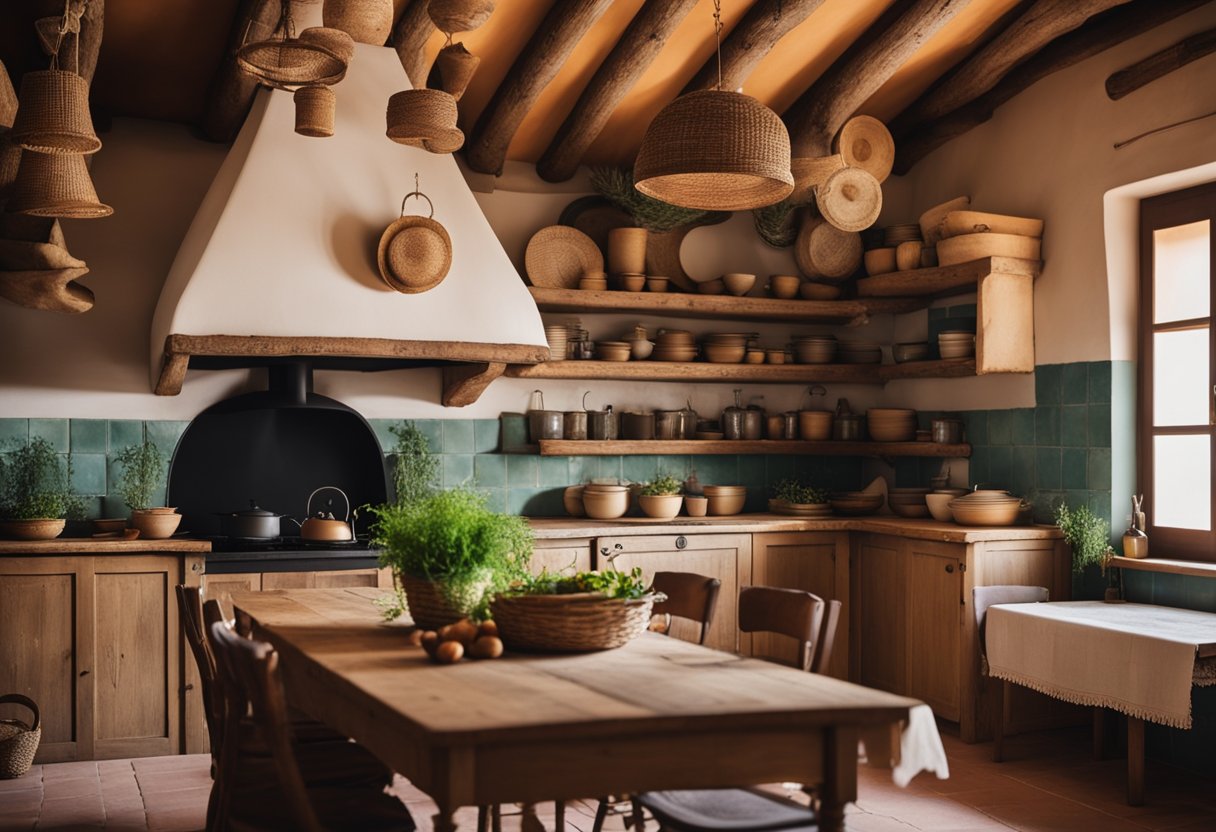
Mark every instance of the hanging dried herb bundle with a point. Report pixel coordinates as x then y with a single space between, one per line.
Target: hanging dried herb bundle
776 223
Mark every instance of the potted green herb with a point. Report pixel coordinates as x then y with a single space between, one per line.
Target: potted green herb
415 468
143 473
1087 534
661 498
449 551
35 496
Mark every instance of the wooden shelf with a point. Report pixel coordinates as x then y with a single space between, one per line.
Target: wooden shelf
943 281
628 447
1193 568
742 373
726 307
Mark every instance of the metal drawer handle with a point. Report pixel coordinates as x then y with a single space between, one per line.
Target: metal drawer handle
681 542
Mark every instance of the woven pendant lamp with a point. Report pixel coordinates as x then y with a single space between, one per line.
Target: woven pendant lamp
53 114
715 151
283 60
55 185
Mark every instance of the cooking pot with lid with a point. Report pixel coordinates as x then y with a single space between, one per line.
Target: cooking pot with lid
253 523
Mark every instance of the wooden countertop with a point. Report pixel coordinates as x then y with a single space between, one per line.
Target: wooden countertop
559 528
91 546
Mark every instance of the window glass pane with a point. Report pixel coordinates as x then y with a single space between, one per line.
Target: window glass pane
1182 482
1182 272
1180 377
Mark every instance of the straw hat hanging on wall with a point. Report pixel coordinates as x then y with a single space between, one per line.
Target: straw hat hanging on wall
367 21
715 150
424 118
415 252
864 142
849 199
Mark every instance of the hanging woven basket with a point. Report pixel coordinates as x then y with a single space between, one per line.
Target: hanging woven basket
55 185
456 66
336 41
10 161
289 62
367 21
451 16
716 151
424 118
315 107
53 114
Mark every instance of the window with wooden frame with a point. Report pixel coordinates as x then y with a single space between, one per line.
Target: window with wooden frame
1177 408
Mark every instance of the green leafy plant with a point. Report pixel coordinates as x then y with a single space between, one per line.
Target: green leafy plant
662 486
616 185
610 583
415 468
792 491
35 486
1087 534
455 540
143 472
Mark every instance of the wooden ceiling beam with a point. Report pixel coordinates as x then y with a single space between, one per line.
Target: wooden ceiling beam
1155 66
1039 25
820 112
232 90
1099 34
637 48
538 63
414 28
750 41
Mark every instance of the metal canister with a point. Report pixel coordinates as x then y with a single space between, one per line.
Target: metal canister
576 424
753 423
846 427
669 424
791 424
602 424
775 426
732 418
545 424
947 431
637 425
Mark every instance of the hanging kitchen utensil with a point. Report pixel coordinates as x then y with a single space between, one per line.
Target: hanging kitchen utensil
55 185
558 255
864 142
322 525
367 21
850 199
415 252
451 16
285 61
425 119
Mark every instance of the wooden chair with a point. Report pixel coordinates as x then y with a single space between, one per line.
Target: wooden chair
983 597
253 798
690 596
812 622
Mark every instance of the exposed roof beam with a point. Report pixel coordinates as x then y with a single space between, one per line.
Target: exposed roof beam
413 30
232 90
1039 25
750 41
638 46
1155 66
1099 34
534 68
819 113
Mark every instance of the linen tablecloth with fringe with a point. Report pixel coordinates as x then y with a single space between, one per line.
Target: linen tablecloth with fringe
1139 659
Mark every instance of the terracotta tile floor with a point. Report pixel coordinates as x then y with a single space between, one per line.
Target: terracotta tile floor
1048 783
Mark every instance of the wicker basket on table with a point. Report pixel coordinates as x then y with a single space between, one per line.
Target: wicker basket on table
571 623
18 741
427 603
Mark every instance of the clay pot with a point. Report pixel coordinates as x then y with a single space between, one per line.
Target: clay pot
156 523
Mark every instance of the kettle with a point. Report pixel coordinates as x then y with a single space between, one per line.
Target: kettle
322 525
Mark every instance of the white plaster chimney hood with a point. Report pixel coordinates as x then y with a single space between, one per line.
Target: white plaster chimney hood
280 260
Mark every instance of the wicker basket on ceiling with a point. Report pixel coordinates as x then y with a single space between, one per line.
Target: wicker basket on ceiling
451 16
367 21
456 66
424 118
55 185
289 62
336 41
53 114
315 107
716 151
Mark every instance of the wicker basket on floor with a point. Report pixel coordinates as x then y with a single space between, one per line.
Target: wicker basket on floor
18 741
571 623
428 605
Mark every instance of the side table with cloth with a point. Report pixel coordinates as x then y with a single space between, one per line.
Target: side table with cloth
1138 659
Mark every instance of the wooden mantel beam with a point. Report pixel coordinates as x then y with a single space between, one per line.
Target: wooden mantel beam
232 90
414 28
1162 63
534 68
637 48
1039 25
1101 33
820 112
750 41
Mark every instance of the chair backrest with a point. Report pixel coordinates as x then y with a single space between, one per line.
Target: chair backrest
791 612
252 685
190 611
827 638
690 596
983 597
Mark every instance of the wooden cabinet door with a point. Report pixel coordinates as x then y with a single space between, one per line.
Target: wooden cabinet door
46 606
817 562
935 623
561 556
878 647
726 557
342 578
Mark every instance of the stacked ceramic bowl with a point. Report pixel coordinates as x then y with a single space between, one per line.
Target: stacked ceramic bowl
725 347
855 503
910 351
815 349
956 344
674 345
558 336
612 350
605 502
858 352
890 424
938 501
908 502
986 508
725 499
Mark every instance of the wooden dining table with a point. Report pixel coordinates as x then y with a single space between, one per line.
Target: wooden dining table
658 713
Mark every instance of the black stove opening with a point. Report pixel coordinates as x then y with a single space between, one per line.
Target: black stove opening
275 448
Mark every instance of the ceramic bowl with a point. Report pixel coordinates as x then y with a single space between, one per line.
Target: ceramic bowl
774 356
641 349
913 351
696 506
724 353
879 261
855 503
605 505
738 284
712 287
632 282
784 286
572 499
720 505
815 425
660 507
939 507
657 284
907 255
754 357
818 291
593 284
